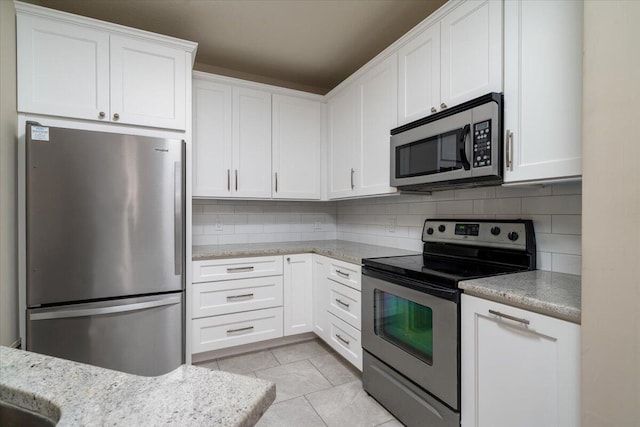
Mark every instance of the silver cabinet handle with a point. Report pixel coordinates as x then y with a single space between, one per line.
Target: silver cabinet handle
83 312
443 105
235 331
433 109
237 297
276 182
101 115
239 269
342 339
506 316
228 179
346 275
236 179
177 218
509 149
342 303
352 184
116 116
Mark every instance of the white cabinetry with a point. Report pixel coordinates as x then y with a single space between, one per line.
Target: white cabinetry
298 294
360 118
543 90
320 296
516 373
82 68
451 61
296 147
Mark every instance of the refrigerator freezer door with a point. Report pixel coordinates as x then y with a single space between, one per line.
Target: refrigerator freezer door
104 215
141 336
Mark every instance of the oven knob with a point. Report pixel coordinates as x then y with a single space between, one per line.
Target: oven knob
441 228
495 230
429 231
513 236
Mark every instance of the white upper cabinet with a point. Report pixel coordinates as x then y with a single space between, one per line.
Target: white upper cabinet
419 75
471 55
543 90
77 67
297 132
251 143
452 60
212 130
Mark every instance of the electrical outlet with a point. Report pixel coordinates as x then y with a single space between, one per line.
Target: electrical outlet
219 224
318 224
392 225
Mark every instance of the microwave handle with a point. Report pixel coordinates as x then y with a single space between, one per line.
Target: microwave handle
463 147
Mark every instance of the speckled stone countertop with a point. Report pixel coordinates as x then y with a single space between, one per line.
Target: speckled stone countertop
78 394
554 294
339 249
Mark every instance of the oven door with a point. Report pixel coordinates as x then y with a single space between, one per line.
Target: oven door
434 152
413 331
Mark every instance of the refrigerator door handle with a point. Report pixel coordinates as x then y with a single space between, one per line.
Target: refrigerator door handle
177 191
83 312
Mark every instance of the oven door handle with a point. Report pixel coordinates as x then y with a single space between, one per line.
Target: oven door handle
436 291
463 147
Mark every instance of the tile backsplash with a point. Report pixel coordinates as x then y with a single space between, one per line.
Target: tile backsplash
396 221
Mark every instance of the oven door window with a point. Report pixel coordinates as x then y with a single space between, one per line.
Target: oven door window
405 324
440 153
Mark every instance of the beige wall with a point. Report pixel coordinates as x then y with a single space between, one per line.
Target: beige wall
610 377
8 124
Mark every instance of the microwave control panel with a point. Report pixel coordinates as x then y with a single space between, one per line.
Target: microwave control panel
482 144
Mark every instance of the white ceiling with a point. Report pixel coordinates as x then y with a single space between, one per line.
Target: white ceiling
306 44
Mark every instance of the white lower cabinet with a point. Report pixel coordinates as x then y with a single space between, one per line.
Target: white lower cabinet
320 296
346 340
519 368
298 299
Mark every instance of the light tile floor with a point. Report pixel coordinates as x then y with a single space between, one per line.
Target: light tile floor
315 387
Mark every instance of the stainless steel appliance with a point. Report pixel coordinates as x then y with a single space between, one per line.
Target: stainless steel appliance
458 147
411 313
105 239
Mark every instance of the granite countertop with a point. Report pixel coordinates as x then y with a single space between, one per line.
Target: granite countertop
339 249
77 394
554 294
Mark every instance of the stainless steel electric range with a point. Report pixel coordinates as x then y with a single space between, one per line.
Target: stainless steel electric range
411 313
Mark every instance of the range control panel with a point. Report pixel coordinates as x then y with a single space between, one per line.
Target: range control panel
511 235
482 144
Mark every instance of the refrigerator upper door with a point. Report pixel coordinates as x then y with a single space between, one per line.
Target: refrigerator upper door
104 215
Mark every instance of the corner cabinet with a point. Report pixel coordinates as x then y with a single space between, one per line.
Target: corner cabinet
298 294
82 68
519 368
543 90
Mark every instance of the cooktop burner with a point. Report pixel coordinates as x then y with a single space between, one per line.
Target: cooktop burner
456 250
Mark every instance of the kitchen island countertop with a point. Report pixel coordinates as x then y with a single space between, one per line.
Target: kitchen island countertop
73 393
545 292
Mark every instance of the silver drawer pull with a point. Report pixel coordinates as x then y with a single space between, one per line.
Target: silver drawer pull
235 331
506 316
235 297
342 303
343 274
342 339
239 269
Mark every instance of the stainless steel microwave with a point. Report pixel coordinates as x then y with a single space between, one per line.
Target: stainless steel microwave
458 147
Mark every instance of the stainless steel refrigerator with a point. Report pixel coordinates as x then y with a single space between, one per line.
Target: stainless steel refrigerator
105 240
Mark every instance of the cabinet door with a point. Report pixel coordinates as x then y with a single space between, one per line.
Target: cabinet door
543 90
251 143
517 374
296 148
379 92
298 288
419 76
471 51
148 83
211 139
63 69
344 141
320 296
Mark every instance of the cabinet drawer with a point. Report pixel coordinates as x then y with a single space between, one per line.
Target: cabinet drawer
232 296
236 268
345 339
345 273
216 332
344 303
